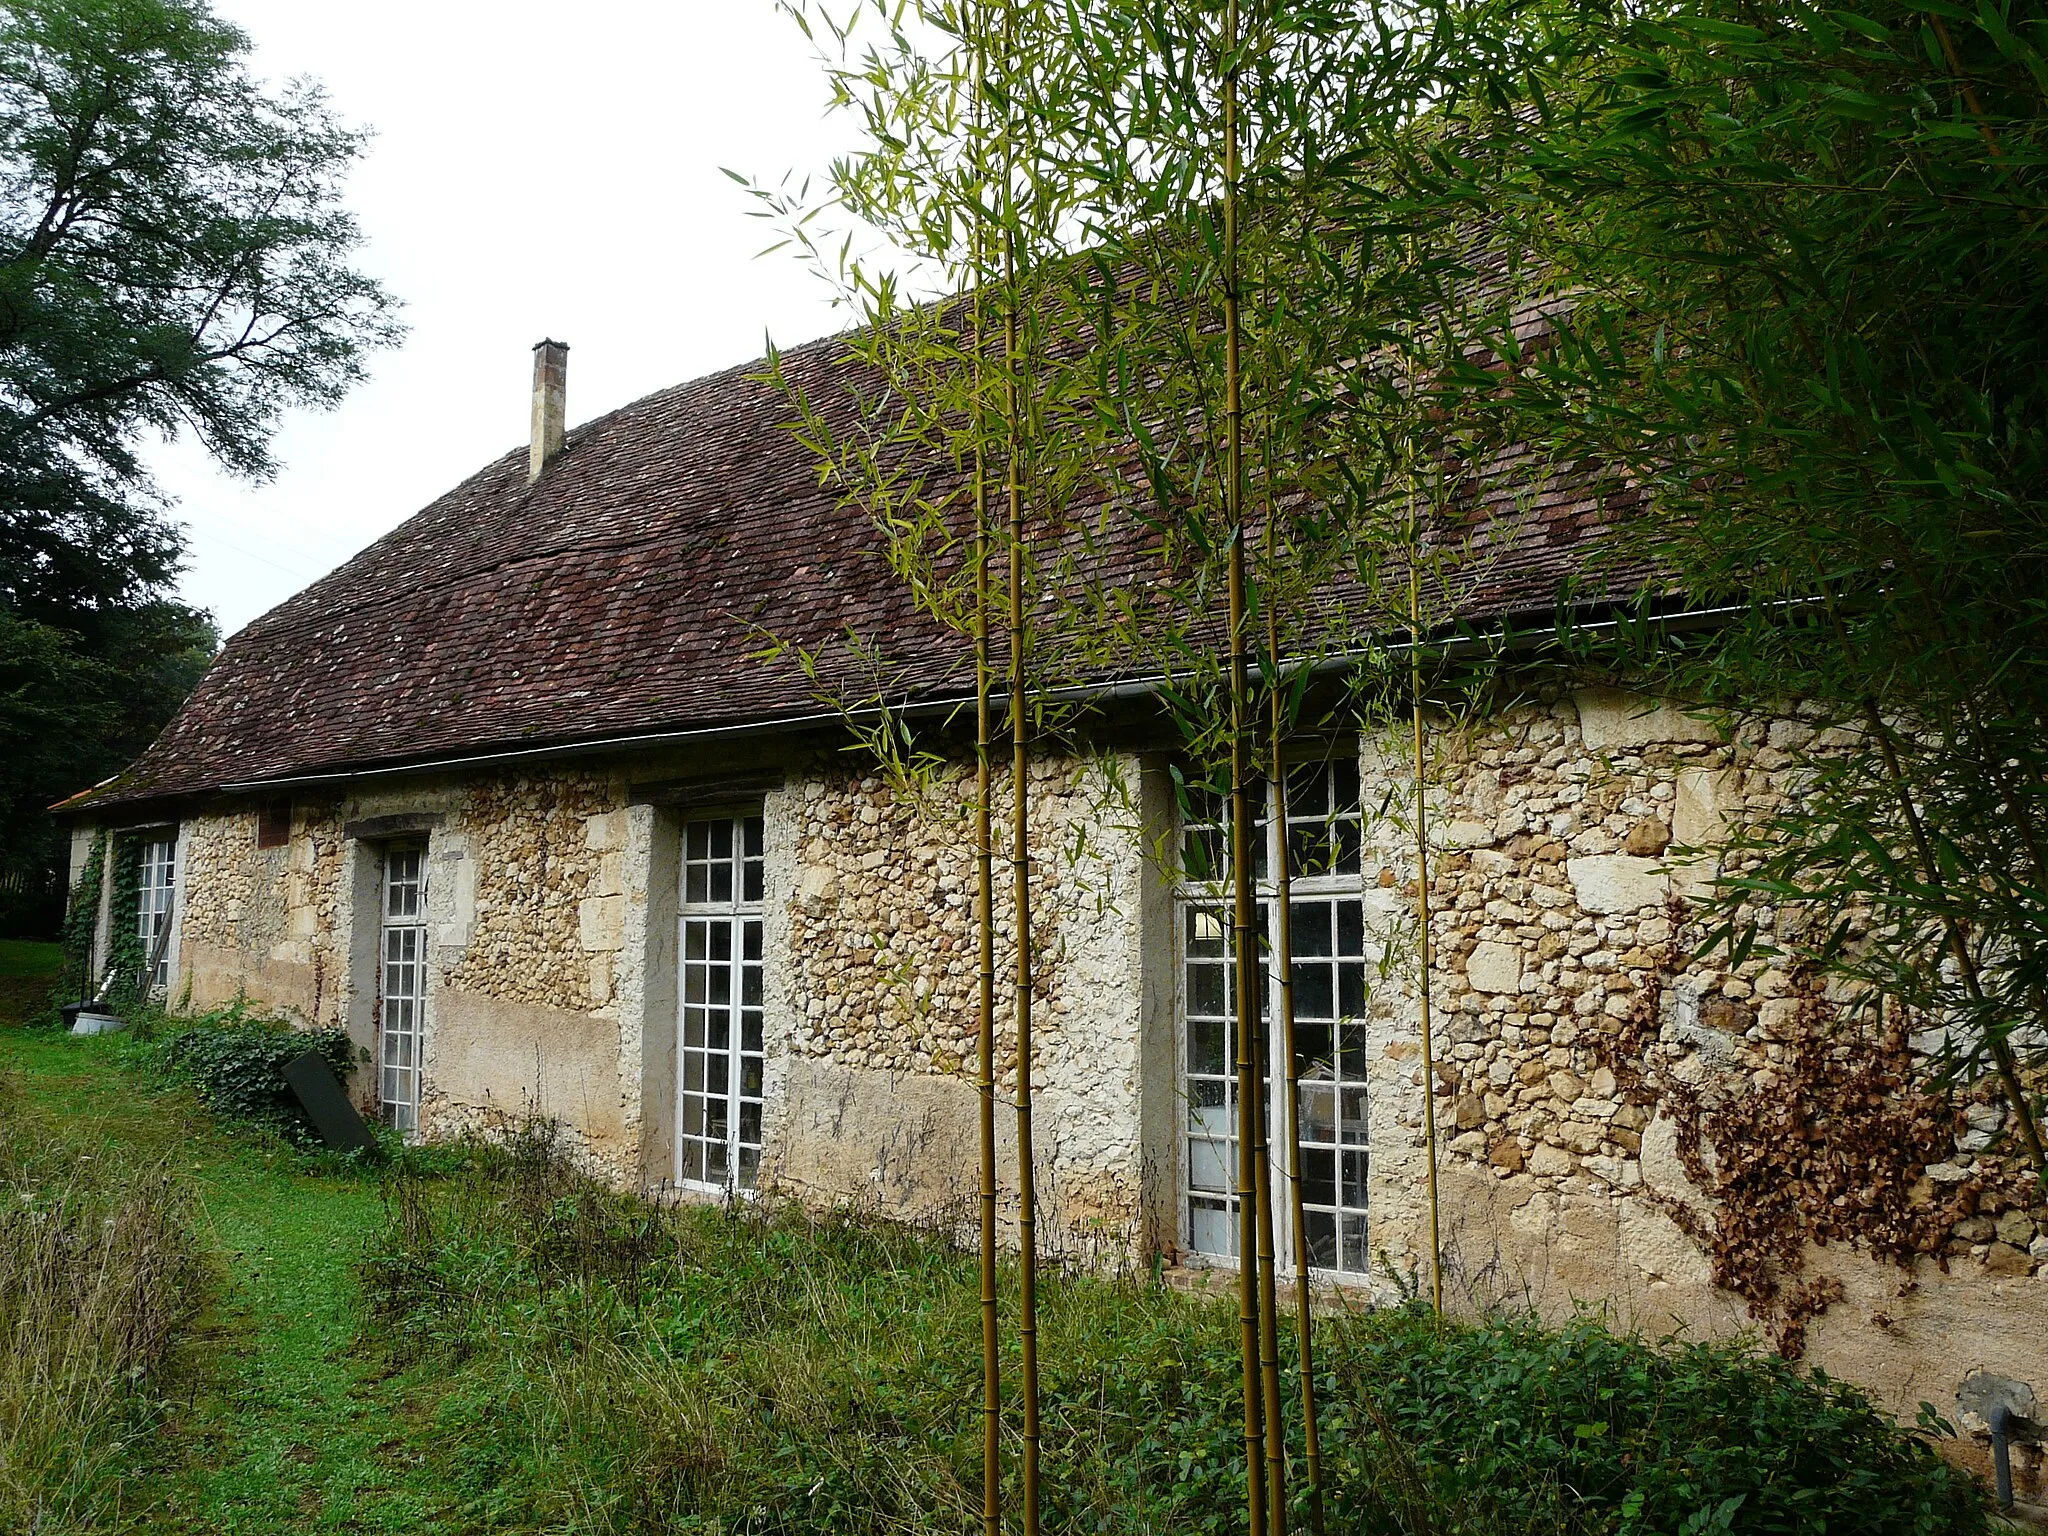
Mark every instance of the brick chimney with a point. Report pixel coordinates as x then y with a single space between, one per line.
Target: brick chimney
550 404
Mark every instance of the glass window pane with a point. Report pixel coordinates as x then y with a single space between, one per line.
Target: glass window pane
1211 1229
1350 928
1354 1179
1350 989
1310 921
1318 1176
1312 990
1344 786
1321 1228
1209 1165
1355 1259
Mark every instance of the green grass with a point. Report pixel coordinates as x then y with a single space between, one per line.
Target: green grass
486 1342
273 1420
28 975
30 958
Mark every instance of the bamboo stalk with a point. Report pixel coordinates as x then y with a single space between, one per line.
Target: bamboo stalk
1020 839
984 859
1436 1252
1283 965
1269 1301
1243 911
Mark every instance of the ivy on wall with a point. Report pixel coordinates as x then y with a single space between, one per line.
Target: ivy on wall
126 956
81 924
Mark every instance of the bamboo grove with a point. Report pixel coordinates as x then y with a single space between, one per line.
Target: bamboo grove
1299 301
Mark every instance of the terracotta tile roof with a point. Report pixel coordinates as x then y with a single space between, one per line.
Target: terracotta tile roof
627 591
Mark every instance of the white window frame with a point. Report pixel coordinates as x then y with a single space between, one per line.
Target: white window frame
1337 1162
156 901
401 982
721 1046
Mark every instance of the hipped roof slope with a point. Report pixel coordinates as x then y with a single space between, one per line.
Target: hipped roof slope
630 590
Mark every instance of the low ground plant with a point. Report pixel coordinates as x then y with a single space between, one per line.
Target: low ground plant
753 1367
235 1058
99 1269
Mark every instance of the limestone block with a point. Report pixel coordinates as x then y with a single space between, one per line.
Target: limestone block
1469 834
1618 882
1659 1247
1663 1171
1611 720
1552 1161
1493 967
601 922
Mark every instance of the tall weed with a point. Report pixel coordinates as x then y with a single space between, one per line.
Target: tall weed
757 1368
98 1269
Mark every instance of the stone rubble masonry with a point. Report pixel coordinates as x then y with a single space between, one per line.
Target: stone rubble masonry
549 916
1561 834
882 988
264 921
1564 837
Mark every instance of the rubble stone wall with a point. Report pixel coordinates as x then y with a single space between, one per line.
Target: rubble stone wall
262 923
1623 1123
882 991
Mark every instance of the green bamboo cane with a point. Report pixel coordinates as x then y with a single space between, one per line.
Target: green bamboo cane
984 861
1244 912
1283 963
1436 1264
1020 830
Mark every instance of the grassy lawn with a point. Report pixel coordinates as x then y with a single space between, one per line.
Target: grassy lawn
29 958
274 1420
486 1341
28 973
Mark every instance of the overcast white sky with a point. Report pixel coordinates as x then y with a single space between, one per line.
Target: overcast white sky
539 170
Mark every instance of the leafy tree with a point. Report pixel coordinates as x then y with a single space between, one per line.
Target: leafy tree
173 257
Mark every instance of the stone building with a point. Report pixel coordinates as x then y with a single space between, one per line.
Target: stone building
514 799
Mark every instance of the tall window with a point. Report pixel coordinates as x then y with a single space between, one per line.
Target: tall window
718 1046
1330 954
156 869
402 985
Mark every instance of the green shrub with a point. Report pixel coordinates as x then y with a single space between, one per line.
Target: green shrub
614 1367
237 1059
1575 1428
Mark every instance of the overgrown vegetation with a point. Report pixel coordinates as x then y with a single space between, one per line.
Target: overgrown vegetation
751 1367
99 1267
236 1057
